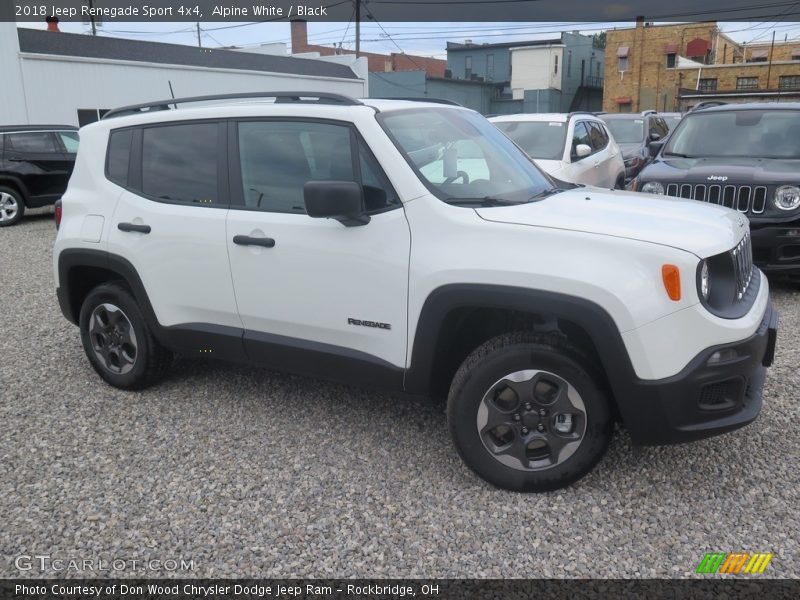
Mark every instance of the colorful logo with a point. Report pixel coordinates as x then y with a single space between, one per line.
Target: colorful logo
736 562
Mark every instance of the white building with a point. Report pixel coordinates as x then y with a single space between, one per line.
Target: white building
54 77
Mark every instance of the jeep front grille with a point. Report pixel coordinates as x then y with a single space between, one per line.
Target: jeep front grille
742 256
744 198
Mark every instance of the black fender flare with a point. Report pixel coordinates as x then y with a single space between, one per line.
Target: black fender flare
17 183
589 316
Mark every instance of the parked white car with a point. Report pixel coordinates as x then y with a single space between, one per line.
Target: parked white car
574 147
412 247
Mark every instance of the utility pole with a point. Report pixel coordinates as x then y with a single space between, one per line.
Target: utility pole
771 50
91 17
199 43
358 26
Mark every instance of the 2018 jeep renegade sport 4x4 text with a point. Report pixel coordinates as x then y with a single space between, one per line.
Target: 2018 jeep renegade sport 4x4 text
412 246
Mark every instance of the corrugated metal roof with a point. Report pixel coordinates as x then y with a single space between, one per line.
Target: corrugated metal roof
70 44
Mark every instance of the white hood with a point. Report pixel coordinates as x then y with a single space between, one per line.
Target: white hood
697 227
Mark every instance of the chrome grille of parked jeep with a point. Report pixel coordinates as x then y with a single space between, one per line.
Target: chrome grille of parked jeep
744 198
742 256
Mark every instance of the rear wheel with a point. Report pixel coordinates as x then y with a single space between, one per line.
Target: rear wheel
527 413
12 207
118 341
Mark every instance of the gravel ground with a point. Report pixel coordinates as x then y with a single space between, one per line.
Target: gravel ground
253 473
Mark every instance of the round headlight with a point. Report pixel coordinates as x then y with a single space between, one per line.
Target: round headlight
787 197
653 187
705 281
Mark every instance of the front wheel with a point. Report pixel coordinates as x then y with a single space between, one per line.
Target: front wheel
118 341
527 414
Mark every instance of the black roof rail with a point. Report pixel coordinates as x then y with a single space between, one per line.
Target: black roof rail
424 99
707 104
316 98
580 112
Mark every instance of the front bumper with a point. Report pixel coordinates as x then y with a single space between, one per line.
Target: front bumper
776 248
705 400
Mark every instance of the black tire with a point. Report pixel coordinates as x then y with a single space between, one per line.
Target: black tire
123 351
554 362
12 206
620 184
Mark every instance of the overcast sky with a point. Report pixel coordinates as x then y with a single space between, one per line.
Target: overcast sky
427 39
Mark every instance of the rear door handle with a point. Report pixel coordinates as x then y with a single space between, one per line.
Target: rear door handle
246 240
134 227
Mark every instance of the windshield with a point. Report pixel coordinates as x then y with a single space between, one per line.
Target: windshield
461 156
738 133
627 131
540 139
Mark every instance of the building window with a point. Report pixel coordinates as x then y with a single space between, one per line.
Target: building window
758 55
569 63
622 64
747 83
555 65
789 82
467 67
671 59
490 67
707 85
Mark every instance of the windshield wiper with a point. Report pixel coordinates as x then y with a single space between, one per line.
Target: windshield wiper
485 201
545 194
678 154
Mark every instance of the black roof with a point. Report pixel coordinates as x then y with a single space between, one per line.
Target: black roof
7 128
38 41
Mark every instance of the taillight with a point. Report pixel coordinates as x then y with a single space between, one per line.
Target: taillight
58 213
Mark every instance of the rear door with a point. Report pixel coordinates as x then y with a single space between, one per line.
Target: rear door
37 160
170 225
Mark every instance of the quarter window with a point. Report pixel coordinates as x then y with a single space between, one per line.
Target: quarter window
38 142
119 154
179 163
70 141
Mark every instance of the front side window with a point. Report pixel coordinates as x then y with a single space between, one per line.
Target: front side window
737 133
460 156
35 142
179 163
626 131
277 159
580 137
540 139
598 135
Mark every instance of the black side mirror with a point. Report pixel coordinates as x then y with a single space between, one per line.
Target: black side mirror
340 200
654 147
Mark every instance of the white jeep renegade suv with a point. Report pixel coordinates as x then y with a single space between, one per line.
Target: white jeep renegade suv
412 247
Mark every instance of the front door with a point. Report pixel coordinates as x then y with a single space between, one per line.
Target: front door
316 296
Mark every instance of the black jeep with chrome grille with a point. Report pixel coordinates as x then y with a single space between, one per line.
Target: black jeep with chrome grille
745 157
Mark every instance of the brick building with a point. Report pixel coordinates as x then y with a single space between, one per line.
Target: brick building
672 67
377 62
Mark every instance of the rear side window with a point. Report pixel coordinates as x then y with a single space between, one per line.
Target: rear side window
70 141
180 162
119 155
38 142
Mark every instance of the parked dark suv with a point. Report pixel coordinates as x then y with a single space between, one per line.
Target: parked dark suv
745 157
36 162
633 132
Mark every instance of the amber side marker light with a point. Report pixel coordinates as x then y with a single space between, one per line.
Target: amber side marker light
671 275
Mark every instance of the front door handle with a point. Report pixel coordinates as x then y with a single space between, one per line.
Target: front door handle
134 227
246 240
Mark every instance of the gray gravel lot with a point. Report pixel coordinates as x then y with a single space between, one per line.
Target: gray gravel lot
253 473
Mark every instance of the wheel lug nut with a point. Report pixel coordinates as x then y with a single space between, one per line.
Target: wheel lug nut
516 417
524 430
540 427
542 412
528 406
